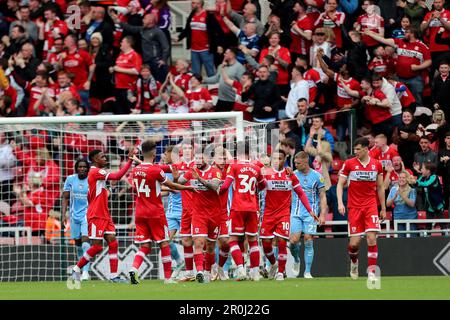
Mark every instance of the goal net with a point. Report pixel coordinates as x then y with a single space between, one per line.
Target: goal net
38 154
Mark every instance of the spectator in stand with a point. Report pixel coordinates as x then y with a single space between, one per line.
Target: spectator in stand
433 21
301 30
36 8
175 101
248 16
304 119
444 168
441 89
413 57
403 197
299 89
287 131
161 10
100 24
383 152
333 19
378 65
288 146
274 25
315 84
414 11
393 171
51 29
18 37
239 86
182 76
79 63
406 139
246 37
356 55
155 48
72 107
322 158
319 42
405 96
54 56
198 97
344 101
234 70
282 61
126 72
64 86
147 92
203 35
24 20
101 82
317 130
424 156
400 33
7 162
431 188
370 21
266 97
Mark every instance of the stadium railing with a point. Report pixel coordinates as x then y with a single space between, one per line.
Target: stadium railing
424 232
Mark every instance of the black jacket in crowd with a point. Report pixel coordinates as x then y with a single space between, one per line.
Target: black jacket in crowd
441 94
215 33
264 93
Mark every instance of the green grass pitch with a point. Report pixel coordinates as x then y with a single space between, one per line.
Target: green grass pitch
432 288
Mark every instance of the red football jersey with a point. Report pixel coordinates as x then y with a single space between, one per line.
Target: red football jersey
405 95
325 21
376 114
199 36
246 175
147 179
186 196
182 80
409 53
98 194
384 157
362 187
373 23
343 98
131 60
279 192
313 77
35 95
379 66
300 44
78 64
206 201
433 29
239 105
198 97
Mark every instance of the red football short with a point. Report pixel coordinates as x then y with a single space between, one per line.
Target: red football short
274 225
243 222
362 220
151 229
224 224
205 226
186 219
97 228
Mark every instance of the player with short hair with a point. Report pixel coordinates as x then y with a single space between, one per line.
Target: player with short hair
100 223
75 193
246 177
365 182
312 183
150 218
206 213
275 224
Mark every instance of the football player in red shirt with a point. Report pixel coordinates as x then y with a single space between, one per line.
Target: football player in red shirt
246 177
277 213
150 218
365 176
205 222
100 223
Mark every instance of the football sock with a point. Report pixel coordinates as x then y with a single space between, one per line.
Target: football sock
223 254
254 254
189 258
353 253
282 255
85 247
372 255
295 251
139 257
199 258
309 255
268 251
89 255
166 261
113 258
236 253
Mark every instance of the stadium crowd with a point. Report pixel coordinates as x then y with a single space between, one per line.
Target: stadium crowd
316 68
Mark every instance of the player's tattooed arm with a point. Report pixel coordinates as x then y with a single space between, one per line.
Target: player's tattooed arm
214 184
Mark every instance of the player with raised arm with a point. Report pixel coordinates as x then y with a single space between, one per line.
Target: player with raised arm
277 212
75 193
312 183
365 182
150 218
100 223
246 177
206 213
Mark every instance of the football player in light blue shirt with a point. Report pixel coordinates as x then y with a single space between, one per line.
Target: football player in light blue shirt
75 198
313 185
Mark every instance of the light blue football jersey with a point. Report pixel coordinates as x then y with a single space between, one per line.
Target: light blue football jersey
78 190
311 184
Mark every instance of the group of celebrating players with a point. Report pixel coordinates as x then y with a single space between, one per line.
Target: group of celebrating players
203 212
